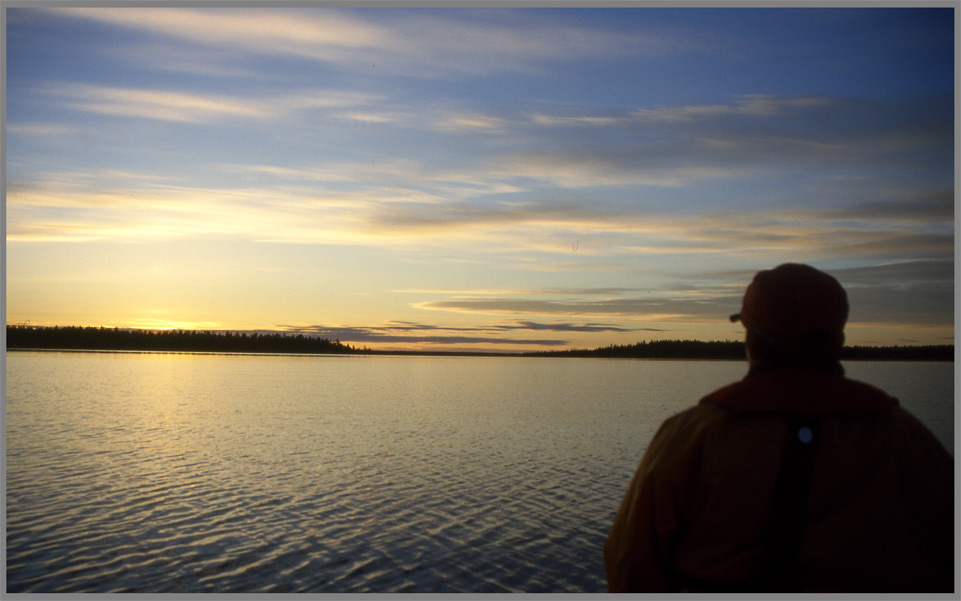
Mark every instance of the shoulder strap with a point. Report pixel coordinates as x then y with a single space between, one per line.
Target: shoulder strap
780 570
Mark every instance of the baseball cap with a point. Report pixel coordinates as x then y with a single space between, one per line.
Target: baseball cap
792 305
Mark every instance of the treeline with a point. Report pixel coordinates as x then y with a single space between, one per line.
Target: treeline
721 350
116 339
658 349
942 352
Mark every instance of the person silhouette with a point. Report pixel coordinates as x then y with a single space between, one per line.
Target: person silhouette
794 479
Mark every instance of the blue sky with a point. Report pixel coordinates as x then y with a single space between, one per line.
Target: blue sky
477 178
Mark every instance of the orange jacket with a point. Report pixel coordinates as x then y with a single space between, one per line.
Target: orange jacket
880 512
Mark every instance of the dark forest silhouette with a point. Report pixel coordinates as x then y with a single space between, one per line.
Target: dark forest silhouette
116 339
660 349
722 350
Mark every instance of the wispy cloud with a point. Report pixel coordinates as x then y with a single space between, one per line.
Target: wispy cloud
906 292
408 332
923 272
754 105
188 107
415 334
470 122
369 117
86 211
264 31
564 327
912 291
157 104
650 310
542 174
749 106
391 213
760 134
423 42
904 207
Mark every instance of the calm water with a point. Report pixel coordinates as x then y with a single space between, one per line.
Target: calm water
183 473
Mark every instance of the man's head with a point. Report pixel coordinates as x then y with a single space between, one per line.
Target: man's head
795 312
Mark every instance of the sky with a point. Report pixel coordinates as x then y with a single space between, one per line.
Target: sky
476 178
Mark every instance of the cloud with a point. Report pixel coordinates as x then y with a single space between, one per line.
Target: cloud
188 107
470 122
567 327
386 181
651 310
413 334
606 198
895 304
324 206
251 30
925 272
568 121
81 210
552 227
754 105
758 134
746 107
413 42
909 208
157 104
608 167
915 291
369 117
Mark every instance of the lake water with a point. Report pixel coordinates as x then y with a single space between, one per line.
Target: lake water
225 473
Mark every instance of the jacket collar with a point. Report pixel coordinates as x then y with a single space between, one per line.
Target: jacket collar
800 390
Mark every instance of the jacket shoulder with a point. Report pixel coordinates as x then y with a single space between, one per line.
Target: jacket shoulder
800 391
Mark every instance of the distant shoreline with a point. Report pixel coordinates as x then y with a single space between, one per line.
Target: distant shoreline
94 339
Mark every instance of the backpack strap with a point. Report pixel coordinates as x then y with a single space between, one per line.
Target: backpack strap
780 570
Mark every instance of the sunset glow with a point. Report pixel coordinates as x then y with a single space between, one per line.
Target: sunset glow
485 179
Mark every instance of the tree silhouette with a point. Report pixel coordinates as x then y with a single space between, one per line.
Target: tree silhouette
116 339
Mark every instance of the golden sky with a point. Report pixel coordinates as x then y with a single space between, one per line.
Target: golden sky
476 178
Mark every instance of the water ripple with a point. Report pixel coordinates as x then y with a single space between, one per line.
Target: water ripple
157 473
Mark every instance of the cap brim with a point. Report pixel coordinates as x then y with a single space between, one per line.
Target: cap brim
736 317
